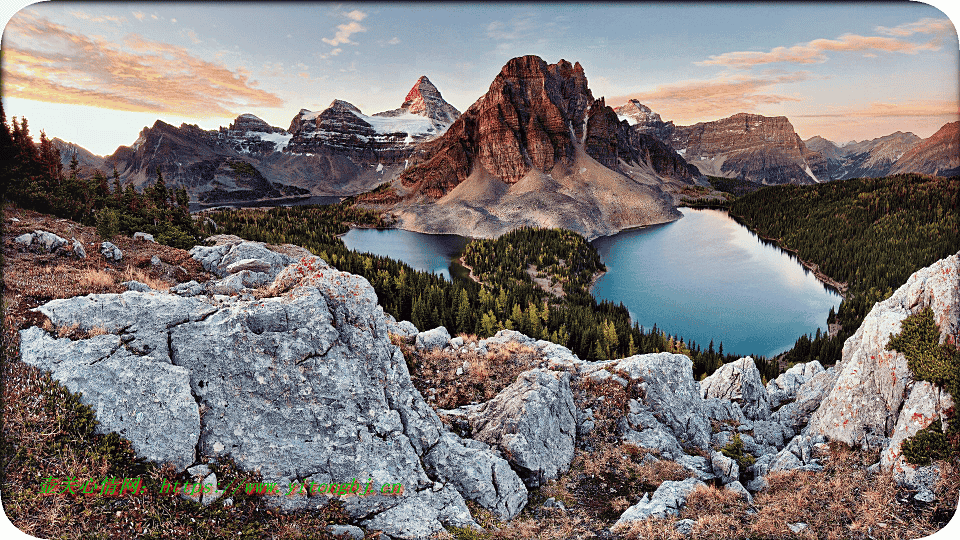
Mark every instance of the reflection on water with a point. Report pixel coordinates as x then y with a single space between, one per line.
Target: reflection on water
427 252
707 277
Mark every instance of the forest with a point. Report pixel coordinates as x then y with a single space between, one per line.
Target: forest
32 177
870 233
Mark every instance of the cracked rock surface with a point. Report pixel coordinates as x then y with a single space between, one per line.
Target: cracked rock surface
303 385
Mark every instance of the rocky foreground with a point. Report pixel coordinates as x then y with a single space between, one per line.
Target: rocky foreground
289 367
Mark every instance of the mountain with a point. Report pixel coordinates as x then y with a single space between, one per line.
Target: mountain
761 149
336 151
939 155
865 159
537 149
645 120
425 100
757 148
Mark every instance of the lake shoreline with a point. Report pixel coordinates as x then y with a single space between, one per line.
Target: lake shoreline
839 287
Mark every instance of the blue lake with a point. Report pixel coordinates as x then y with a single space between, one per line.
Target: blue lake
708 277
702 277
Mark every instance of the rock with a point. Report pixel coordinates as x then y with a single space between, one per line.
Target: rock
143 236
24 239
136 286
533 421
726 469
785 387
918 478
724 410
771 434
144 398
437 338
43 240
190 288
456 342
739 382
737 487
155 261
670 392
303 386
925 403
14 220
478 475
925 495
647 432
355 533
78 250
232 255
796 415
667 500
111 252
404 329
554 503
797 527
685 526
874 383
700 466
799 453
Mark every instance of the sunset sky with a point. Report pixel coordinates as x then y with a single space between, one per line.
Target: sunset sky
97 73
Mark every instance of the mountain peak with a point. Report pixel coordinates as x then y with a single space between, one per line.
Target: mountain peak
425 100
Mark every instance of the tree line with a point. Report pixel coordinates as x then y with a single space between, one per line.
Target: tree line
32 177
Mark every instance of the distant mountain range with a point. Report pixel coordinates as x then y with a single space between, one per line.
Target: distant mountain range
767 150
536 149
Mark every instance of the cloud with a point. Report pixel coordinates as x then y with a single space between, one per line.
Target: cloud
191 35
923 26
879 109
45 61
344 31
139 15
356 15
106 18
714 98
814 52
393 41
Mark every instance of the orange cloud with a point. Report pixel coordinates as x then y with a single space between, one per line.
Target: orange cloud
813 52
923 26
694 100
45 61
912 108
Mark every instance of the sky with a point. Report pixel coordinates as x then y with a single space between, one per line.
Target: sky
97 73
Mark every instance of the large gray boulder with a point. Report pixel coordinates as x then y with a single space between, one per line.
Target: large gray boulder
739 382
669 391
110 252
301 386
478 475
666 501
785 387
143 397
437 338
796 414
232 255
41 241
873 385
533 422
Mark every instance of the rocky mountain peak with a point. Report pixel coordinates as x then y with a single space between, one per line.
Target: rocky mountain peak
249 122
425 100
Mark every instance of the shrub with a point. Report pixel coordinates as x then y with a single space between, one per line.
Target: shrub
734 450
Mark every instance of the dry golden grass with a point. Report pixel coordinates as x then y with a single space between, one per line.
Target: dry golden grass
95 279
65 331
434 373
132 273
